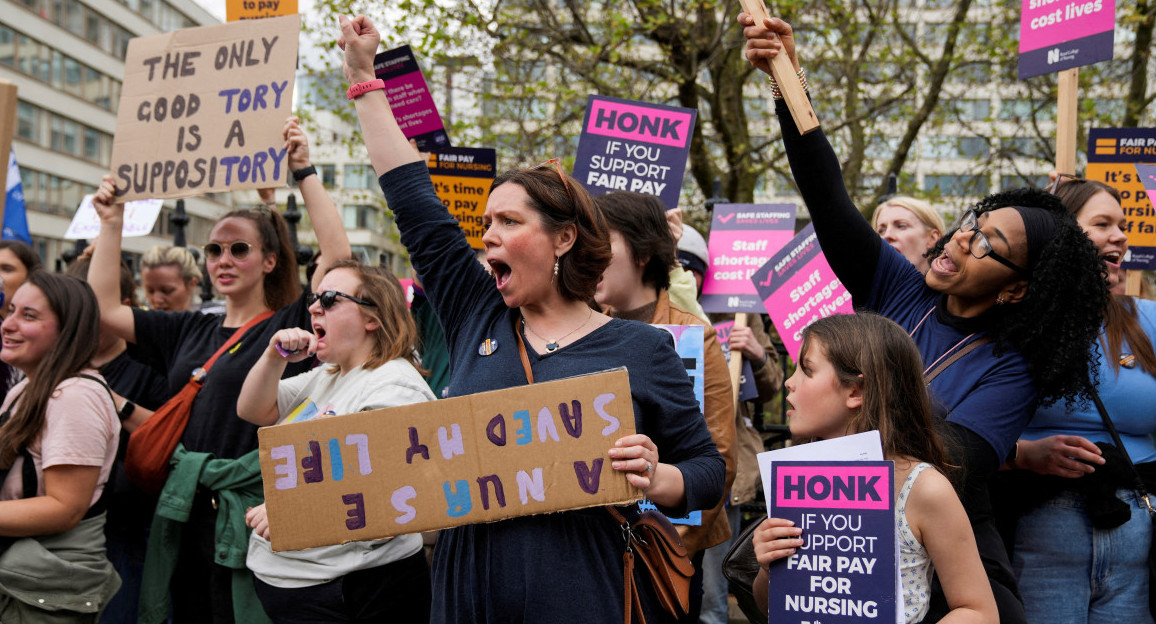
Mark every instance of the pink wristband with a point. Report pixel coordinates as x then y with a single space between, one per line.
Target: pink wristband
362 88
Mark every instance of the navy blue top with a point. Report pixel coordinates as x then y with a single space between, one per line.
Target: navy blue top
542 568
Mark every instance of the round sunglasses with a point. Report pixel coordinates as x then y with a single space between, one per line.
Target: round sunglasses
237 249
329 297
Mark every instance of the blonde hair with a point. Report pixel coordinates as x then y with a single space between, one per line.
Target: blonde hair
165 255
921 209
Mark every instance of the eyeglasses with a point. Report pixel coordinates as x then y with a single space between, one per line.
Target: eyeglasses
981 246
329 298
237 249
561 174
1060 179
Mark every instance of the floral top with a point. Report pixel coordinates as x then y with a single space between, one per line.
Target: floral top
914 562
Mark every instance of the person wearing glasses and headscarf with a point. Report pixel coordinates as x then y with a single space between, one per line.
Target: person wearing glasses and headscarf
547 246
362 330
1082 544
1017 282
252 265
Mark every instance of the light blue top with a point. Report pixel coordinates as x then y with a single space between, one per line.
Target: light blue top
1130 397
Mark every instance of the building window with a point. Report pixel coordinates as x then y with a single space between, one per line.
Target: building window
957 185
328 175
359 177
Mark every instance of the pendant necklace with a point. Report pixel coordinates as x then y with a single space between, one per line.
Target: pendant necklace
552 345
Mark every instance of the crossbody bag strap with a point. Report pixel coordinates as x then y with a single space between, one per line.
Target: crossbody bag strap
968 348
235 338
1139 482
522 353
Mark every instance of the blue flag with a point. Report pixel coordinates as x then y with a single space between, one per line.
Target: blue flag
15 219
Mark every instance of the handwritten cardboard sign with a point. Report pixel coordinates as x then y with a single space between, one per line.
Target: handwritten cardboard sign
478 458
1116 157
201 109
139 218
236 10
1061 34
798 287
634 146
409 97
742 238
845 571
462 177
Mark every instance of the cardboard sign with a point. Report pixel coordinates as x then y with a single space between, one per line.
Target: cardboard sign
478 458
410 99
846 569
1061 34
742 238
462 177
634 146
201 110
236 10
798 287
1115 157
747 389
139 218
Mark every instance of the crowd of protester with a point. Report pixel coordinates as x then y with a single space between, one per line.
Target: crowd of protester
1014 393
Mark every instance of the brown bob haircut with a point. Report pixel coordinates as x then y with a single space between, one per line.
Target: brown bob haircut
641 220
561 202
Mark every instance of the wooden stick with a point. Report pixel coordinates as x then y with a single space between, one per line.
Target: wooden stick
8 107
736 363
1069 93
784 73
1132 282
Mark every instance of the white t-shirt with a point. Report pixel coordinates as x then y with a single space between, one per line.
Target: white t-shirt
394 383
80 429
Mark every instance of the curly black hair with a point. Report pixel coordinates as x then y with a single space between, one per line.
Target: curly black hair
1056 325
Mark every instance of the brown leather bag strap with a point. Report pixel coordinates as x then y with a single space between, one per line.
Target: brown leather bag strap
235 338
968 348
523 354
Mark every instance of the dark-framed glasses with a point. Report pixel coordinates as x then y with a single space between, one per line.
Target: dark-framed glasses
237 249
329 297
981 246
1061 179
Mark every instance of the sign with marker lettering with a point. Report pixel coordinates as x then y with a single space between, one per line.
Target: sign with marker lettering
462 177
236 10
201 109
845 571
634 146
798 287
1061 34
478 458
409 97
139 218
1119 157
742 238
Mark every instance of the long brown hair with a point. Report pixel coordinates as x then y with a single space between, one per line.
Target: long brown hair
396 334
78 322
1120 318
282 285
875 354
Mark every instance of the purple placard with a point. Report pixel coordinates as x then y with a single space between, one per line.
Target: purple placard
634 146
410 99
1061 34
742 237
747 389
846 569
798 287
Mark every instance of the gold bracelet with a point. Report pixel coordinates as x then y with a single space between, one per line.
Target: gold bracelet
801 75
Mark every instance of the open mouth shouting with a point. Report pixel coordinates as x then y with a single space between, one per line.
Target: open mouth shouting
944 265
501 272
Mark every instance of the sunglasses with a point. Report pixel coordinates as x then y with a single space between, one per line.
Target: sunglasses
561 174
329 298
981 246
1060 179
237 249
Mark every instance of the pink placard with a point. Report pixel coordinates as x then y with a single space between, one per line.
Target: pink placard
813 292
833 487
1049 22
638 123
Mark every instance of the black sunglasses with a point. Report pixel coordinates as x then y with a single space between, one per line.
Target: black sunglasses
237 249
329 298
981 246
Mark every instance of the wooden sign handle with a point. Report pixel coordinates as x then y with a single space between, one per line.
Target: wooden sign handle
784 74
736 363
1066 104
1132 282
